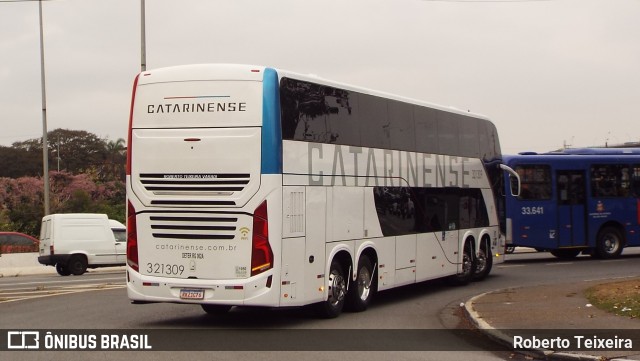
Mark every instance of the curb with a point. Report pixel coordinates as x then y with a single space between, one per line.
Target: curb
501 338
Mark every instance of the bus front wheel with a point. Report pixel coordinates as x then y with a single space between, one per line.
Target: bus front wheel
468 266
609 243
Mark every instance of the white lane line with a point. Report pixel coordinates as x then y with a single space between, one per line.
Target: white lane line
59 293
67 281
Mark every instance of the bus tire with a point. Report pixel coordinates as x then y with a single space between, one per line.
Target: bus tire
337 291
468 266
77 265
565 253
484 261
361 290
215 309
609 243
62 269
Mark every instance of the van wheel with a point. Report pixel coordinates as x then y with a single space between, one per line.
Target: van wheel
62 269
77 265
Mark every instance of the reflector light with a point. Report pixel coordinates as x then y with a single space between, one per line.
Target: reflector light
233 287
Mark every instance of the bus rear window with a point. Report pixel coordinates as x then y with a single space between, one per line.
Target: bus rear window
535 182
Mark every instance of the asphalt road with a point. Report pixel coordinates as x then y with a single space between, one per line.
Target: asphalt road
98 301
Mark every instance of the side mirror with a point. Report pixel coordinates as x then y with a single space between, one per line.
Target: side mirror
514 180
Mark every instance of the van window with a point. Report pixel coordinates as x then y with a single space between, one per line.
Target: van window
120 234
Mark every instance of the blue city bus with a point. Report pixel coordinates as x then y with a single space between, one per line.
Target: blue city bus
579 200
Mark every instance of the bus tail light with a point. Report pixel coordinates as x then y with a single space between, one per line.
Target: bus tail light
261 253
132 238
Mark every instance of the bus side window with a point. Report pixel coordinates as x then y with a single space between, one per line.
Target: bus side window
635 181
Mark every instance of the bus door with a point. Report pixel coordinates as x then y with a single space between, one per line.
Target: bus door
571 208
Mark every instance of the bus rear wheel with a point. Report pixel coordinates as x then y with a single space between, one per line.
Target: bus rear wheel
484 262
361 291
609 243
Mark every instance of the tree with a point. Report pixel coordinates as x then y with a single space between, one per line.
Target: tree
116 155
77 150
15 162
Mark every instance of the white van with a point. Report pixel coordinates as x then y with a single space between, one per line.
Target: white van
73 242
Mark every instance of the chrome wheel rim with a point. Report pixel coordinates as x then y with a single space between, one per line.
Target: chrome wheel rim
364 283
337 288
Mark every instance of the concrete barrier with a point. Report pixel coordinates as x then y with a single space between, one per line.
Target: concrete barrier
22 264
17 264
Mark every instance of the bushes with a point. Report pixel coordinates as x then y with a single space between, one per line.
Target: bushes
21 199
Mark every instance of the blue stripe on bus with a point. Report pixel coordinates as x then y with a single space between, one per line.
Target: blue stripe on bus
271 131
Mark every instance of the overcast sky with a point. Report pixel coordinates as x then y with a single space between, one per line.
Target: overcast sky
548 73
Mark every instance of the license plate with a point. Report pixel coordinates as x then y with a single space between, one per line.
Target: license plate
191 294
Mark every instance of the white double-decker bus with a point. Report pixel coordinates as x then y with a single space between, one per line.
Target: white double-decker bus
252 186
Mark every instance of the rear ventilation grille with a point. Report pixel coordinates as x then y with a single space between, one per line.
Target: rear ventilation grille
192 227
194 184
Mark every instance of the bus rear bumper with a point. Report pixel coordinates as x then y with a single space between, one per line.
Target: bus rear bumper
256 291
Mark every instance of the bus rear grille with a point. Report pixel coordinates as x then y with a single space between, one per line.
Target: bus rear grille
193 227
224 184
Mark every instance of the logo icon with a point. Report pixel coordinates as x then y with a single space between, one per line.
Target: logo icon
244 231
23 340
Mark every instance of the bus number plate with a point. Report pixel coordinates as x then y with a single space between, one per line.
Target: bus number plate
191 294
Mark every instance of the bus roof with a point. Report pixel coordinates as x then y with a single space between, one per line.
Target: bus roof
599 151
573 158
199 72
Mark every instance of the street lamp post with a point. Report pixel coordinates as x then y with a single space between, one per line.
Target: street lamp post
143 38
45 144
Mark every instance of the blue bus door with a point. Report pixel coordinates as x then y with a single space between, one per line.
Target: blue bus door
571 208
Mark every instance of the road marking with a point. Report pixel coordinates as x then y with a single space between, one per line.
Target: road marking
558 263
608 278
511 265
44 292
66 281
